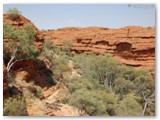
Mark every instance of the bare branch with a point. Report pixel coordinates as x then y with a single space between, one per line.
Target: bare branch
146 102
11 60
144 109
150 96
12 65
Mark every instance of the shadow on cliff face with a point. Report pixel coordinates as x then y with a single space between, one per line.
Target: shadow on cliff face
123 46
35 71
45 73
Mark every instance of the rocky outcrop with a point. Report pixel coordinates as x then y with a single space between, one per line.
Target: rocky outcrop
36 72
132 45
20 22
49 104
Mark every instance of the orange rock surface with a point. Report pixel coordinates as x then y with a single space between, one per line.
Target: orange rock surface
132 45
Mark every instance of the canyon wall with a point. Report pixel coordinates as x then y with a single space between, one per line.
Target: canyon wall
131 45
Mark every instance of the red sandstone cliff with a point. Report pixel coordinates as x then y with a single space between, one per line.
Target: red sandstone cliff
132 45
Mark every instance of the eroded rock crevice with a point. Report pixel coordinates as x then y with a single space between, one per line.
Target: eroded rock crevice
123 46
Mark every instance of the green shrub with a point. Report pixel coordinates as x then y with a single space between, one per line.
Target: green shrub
57 59
22 40
13 13
79 83
93 102
129 107
60 69
10 32
122 86
15 106
30 31
103 69
105 74
67 47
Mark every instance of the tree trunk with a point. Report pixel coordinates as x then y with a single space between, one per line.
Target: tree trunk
145 106
11 65
11 62
8 65
146 102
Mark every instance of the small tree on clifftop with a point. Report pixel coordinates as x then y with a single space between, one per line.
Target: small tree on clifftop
13 13
20 44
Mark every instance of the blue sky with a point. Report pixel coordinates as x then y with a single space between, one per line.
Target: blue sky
53 16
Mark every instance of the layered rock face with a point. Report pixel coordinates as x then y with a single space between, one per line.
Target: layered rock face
132 45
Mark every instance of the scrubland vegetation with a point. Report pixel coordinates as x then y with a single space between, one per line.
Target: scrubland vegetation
119 90
105 87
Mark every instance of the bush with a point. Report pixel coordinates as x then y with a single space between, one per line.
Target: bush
103 69
93 102
22 40
104 73
129 107
57 59
67 47
10 32
79 83
13 13
30 31
122 86
15 106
